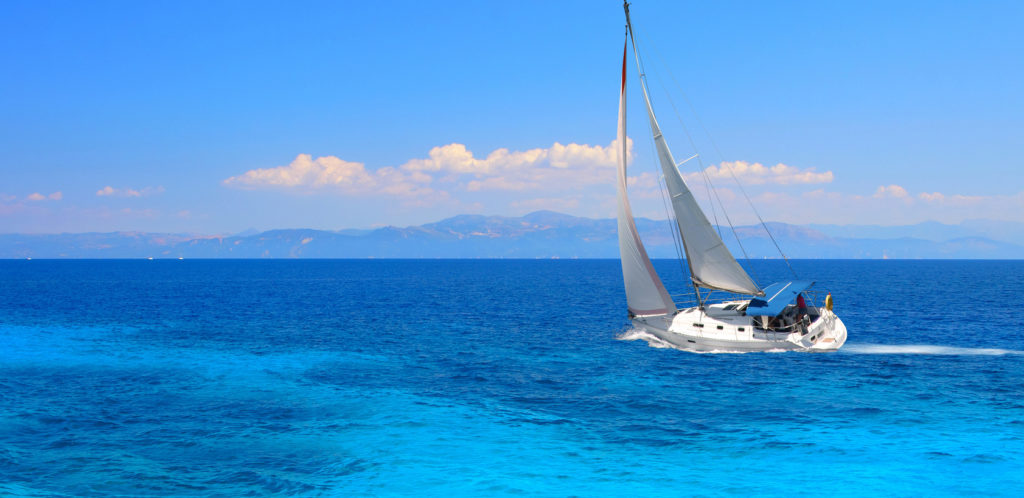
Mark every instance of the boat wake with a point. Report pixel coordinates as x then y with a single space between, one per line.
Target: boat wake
920 349
641 334
925 349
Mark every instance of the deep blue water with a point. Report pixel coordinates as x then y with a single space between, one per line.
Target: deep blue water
494 377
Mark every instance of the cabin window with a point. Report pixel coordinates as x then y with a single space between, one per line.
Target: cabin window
741 329
699 325
720 327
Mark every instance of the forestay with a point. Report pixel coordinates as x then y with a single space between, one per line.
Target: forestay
711 264
645 294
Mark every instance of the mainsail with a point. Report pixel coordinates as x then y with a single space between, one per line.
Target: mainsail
645 294
711 264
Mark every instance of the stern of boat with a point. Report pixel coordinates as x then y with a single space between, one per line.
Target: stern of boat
827 333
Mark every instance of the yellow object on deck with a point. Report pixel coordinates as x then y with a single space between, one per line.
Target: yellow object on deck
828 301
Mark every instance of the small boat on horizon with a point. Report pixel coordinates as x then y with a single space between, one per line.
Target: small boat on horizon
774 318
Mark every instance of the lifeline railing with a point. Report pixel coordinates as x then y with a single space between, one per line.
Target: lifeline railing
686 300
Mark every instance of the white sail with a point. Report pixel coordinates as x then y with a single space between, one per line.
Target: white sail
711 264
645 294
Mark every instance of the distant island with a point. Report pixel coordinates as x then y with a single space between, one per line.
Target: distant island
542 234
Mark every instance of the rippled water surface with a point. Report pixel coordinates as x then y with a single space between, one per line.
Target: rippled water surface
494 377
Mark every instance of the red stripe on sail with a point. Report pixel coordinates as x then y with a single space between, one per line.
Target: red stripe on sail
624 46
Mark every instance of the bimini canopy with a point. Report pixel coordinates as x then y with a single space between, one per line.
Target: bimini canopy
776 297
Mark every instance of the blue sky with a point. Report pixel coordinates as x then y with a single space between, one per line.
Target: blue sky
214 117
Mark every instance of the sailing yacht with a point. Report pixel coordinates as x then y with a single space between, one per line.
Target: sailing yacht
771 319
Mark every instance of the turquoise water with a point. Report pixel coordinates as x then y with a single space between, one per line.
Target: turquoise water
494 377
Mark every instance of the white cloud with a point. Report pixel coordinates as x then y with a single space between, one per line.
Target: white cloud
822 194
643 180
109 191
456 158
759 174
36 196
955 199
576 155
305 173
967 199
565 167
498 183
891 191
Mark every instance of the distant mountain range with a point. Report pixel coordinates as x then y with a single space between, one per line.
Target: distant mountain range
543 234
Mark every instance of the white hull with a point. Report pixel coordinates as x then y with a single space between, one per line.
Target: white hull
718 329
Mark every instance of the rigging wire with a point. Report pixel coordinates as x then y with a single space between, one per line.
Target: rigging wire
721 157
673 225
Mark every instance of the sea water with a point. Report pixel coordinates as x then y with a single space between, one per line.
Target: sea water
492 377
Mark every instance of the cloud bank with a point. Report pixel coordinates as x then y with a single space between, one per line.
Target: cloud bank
579 179
759 174
452 166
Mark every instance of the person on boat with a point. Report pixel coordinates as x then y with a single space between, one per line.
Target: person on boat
801 306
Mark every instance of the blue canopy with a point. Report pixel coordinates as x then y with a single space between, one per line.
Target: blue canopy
776 297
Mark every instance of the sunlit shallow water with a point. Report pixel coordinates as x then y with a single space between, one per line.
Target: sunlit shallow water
493 377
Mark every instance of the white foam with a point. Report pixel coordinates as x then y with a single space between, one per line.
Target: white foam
924 349
641 334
